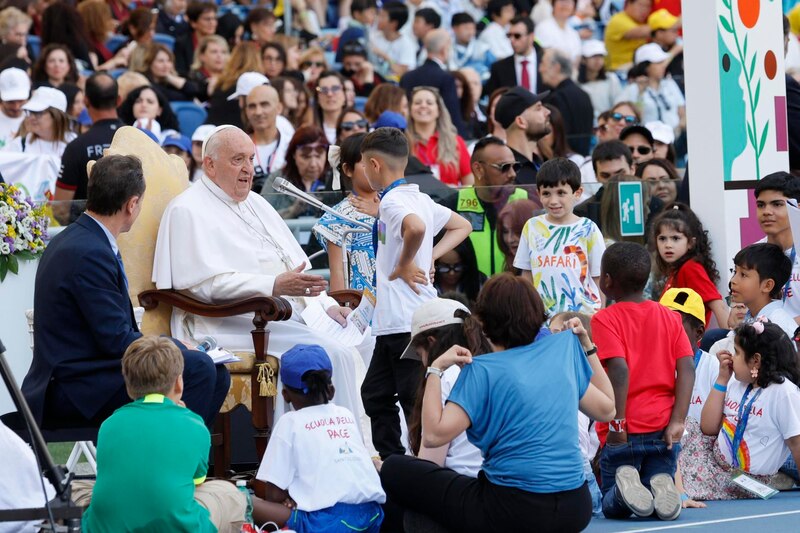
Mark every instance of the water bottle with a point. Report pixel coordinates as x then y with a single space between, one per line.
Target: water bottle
207 344
241 485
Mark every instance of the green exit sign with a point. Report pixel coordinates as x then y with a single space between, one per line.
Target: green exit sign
631 209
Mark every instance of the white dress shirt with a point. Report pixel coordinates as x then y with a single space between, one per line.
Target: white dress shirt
532 66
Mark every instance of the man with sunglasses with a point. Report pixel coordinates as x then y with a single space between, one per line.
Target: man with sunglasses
640 141
522 68
495 169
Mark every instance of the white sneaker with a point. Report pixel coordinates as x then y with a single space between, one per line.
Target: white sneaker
635 495
666 499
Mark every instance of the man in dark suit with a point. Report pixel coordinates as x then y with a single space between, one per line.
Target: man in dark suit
83 315
522 68
172 18
575 105
433 73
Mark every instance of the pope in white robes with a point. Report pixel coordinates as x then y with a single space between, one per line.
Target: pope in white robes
219 242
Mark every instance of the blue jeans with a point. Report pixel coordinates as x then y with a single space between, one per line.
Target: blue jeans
790 468
647 453
594 489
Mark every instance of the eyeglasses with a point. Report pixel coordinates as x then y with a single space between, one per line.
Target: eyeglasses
503 168
513 35
661 180
307 150
642 149
630 119
318 64
330 91
444 268
350 124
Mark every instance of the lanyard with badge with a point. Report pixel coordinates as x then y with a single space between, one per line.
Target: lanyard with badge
259 170
744 417
788 286
379 228
697 355
739 477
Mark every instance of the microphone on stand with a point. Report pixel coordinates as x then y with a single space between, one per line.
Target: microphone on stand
284 186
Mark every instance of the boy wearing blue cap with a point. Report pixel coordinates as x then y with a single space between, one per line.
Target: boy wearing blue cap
181 146
319 475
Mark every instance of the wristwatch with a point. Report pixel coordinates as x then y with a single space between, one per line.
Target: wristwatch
619 425
435 371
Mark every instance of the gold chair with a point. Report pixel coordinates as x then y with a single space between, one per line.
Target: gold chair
166 177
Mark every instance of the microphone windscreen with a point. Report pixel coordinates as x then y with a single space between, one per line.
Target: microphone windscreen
279 184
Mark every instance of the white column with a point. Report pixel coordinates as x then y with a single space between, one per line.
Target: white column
736 114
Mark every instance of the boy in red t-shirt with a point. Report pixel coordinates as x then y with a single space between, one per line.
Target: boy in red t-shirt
643 346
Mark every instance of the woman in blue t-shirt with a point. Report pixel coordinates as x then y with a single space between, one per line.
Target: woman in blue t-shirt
519 406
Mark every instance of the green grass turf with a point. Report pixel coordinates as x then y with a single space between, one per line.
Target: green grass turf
60 451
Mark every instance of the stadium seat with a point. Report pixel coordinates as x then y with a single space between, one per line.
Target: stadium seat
190 116
360 103
115 42
35 45
166 40
117 72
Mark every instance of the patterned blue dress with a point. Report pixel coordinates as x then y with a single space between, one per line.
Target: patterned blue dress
360 252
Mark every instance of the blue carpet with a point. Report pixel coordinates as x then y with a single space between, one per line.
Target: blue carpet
780 513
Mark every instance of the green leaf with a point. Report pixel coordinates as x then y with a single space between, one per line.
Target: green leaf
750 135
3 266
752 73
758 92
725 24
726 3
25 255
13 264
763 139
744 47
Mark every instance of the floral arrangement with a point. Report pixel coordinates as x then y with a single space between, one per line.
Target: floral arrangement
23 229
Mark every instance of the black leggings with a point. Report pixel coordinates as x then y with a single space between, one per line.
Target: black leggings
461 503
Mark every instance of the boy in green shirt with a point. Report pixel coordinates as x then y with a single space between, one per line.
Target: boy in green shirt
152 455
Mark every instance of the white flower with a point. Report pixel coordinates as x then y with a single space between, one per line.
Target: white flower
5 249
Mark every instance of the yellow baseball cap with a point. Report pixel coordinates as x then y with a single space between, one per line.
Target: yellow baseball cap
686 301
661 20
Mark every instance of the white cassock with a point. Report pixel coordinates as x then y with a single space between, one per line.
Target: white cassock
218 250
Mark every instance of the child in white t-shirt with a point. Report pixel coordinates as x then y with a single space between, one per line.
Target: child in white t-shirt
407 222
319 475
755 416
587 434
560 252
689 304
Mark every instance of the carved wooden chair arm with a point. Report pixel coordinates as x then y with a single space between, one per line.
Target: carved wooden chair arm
266 308
347 298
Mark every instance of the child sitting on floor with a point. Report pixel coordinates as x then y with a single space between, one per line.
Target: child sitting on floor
587 436
755 417
152 456
319 475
